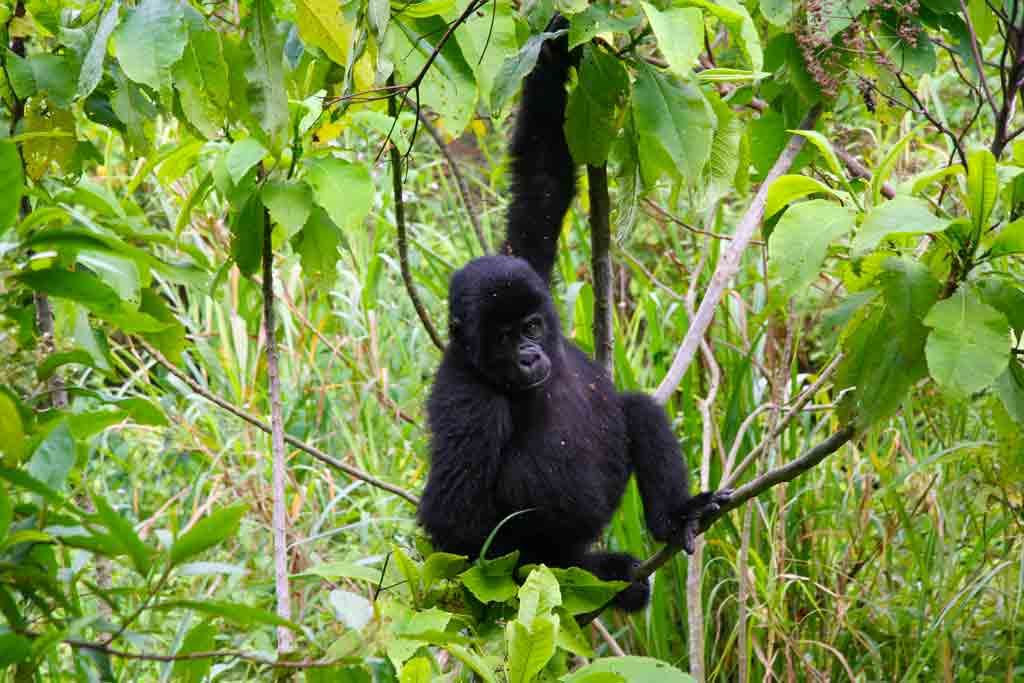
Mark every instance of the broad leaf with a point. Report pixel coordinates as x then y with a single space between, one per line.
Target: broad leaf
122 531
150 40
1010 388
680 34
240 615
343 189
583 592
515 68
351 609
242 156
539 595
967 348
901 215
492 580
289 204
982 187
54 457
247 235
590 121
735 16
265 89
201 638
530 647
416 670
12 179
322 24
630 668
209 531
12 431
825 149
597 18
788 188
204 82
797 246
92 64
1010 240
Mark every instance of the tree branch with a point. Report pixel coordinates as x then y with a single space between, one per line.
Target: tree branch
403 240
859 170
752 489
353 472
279 517
601 265
257 658
729 264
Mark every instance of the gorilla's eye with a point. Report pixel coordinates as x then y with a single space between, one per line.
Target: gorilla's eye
533 328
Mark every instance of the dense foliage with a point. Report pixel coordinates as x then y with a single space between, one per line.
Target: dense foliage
225 236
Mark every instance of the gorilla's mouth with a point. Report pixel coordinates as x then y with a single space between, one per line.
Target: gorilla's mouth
536 383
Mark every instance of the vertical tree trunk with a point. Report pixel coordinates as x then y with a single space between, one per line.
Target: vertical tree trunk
601 265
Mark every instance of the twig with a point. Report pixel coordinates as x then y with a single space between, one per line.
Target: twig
460 181
651 206
976 51
601 265
193 656
279 517
403 240
729 264
353 472
859 170
609 640
752 489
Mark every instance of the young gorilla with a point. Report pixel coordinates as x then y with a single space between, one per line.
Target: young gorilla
520 418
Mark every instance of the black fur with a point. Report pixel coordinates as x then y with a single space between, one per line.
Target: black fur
519 417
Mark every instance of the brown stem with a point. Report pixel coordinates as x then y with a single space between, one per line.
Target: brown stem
403 239
601 264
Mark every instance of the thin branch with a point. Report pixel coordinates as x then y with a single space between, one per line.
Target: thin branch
729 264
608 639
859 170
193 656
403 239
353 472
601 265
752 489
662 213
976 51
460 181
279 516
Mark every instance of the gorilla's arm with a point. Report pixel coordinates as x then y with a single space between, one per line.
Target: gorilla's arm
671 513
469 426
543 175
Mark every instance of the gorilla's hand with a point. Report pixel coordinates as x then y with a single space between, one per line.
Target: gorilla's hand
695 511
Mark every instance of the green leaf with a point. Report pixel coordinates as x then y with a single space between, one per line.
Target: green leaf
736 18
474 661
674 125
150 40
351 609
982 187
788 188
597 18
416 670
265 92
240 615
92 64
348 570
123 532
317 245
492 580
54 457
797 246
289 204
54 75
515 68
12 179
571 637
983 19
203 82
121 274
777 12
1010 388
632 669
1010 240
829 154
201 638
322 24
590 121
1005 296
6 513
343 189
242 156
901 215
724 158
922 180
539 595
967 348
12 431
530 647
247 236
909 288
13 649
487 40
680 34
210 531
583 592
442 566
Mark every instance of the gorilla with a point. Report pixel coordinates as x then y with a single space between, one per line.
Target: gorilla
520 418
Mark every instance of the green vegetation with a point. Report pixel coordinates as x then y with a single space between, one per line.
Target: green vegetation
225 236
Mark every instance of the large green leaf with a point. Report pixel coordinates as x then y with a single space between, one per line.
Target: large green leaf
53 458
54 76
969 343
343 189
736 18
122 531
351 609
1010 388
242 156
674 124
530 647
92 64
797 246
317 245
1010 240
12 430
247 235
487 40
630 668
788 188
289 204
590 122
680 34
539 595
515 68
982 187
265 92
322 24
203 82
200 638
492 580
240 615
583 592
901 215
150 40
12 179
416 670
209 531
598 18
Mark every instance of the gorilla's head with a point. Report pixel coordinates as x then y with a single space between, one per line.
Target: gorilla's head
503 323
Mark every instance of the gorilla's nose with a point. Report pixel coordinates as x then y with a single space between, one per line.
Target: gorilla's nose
528 359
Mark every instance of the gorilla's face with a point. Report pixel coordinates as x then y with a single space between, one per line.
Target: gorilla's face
503 322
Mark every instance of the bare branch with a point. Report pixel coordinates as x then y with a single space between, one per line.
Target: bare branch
980 62
257 658
859 170
353 472
729 264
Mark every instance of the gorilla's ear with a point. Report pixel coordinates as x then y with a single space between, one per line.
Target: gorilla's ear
454 327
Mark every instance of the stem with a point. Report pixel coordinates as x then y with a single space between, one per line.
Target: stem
601 264
729 264
279 520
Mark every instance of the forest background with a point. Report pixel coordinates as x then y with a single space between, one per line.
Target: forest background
226 230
